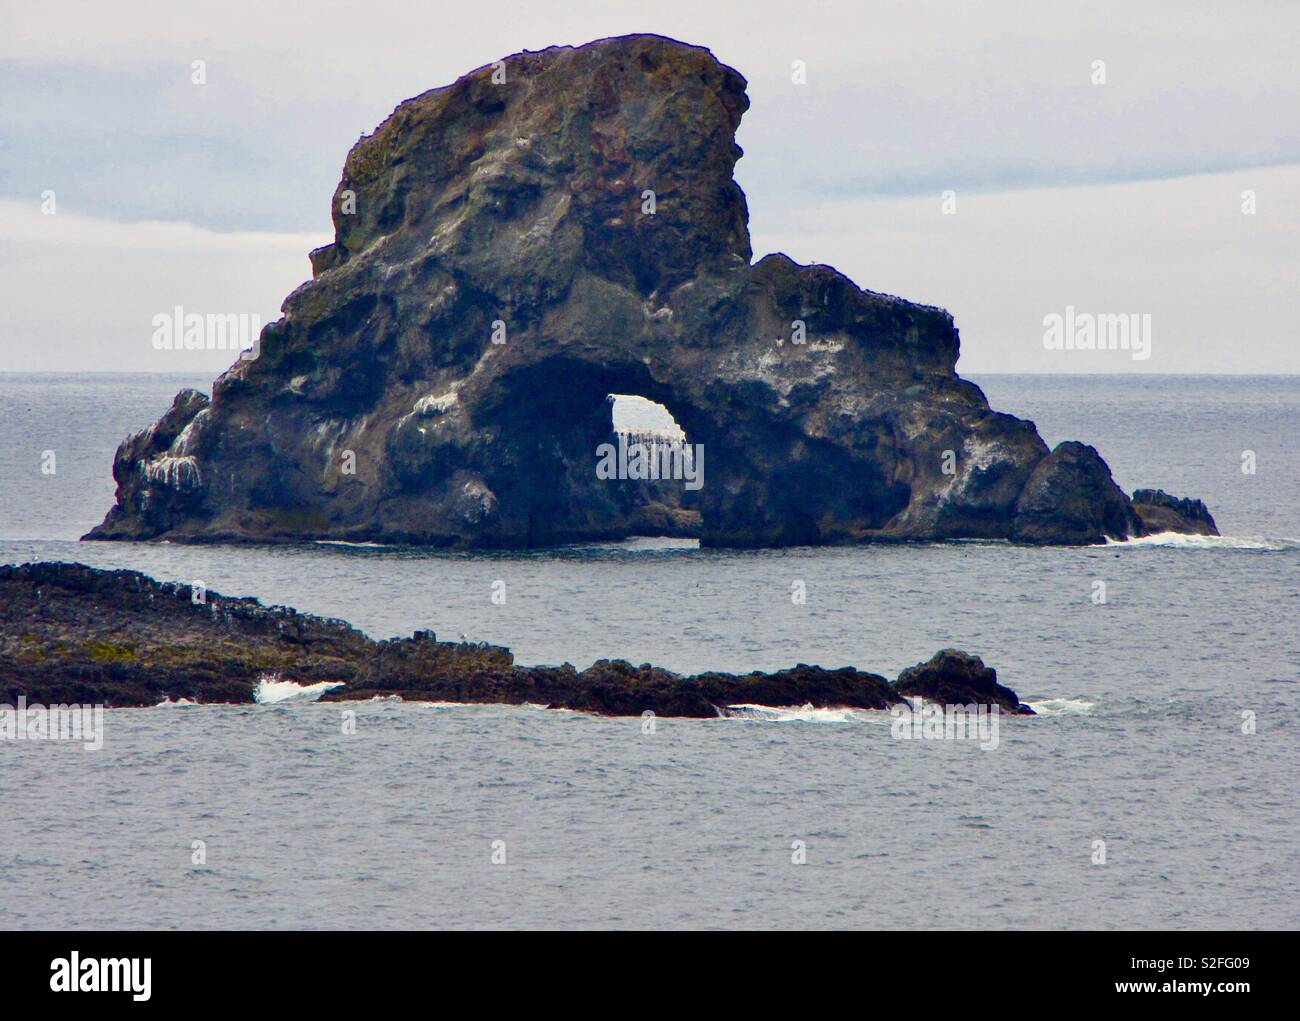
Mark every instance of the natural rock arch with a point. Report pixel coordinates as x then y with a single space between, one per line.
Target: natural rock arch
495 266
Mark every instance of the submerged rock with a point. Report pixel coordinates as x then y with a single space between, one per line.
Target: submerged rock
511 249
74 634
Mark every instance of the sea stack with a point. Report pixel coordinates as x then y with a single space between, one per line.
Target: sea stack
551 229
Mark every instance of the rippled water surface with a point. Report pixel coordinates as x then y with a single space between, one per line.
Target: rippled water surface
1140 743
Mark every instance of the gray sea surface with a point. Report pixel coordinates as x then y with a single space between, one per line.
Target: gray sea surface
1139 744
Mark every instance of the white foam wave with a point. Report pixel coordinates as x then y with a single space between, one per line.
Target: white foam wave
345 542
442 704
802 714
1176 540
642 544
171 703
272 691
1061 706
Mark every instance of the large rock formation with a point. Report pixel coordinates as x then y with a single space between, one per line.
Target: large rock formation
546 231
75 634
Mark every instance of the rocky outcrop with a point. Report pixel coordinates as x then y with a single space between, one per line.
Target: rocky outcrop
544 232
951 677
74 634
70 633
1160 512
1070 499
422 669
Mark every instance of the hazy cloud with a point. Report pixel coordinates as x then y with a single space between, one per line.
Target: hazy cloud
1221 287
81 292
903 101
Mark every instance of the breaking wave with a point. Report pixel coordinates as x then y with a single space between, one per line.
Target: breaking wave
270 691
879 717
802 714
1061 706
1176 540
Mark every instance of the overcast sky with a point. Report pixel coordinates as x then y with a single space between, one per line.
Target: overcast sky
1123 197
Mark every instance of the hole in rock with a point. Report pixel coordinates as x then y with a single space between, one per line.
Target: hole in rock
646 436
640 415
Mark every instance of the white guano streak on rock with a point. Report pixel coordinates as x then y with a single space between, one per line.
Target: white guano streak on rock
175 472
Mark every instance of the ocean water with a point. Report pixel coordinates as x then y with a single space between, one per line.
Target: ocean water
1140 743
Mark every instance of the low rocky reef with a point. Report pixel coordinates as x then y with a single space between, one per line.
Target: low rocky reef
76 634
548 230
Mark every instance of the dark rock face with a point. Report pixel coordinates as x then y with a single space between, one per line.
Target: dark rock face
164 484
70 633
1070 498
951 677
429 671
843 687
1161 512
509 253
